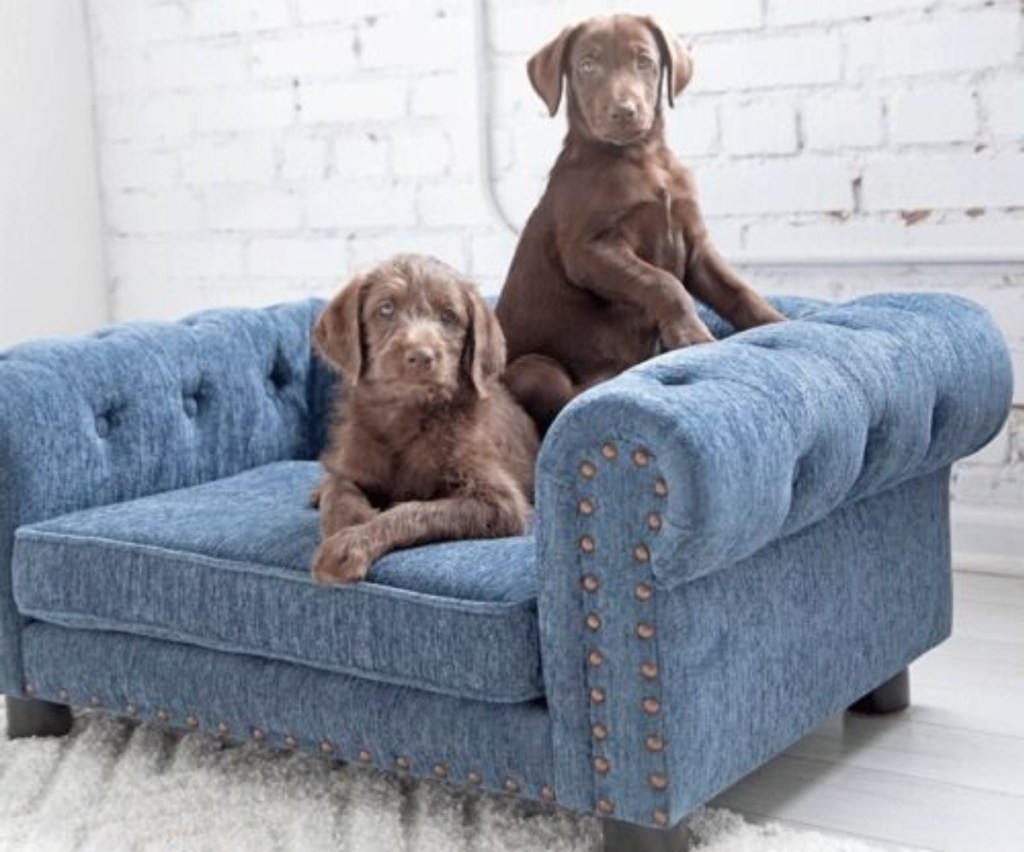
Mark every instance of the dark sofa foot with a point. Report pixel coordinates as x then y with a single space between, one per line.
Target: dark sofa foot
625 837
890 697
30 717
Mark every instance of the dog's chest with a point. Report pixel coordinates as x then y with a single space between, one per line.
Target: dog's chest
654 227
420 468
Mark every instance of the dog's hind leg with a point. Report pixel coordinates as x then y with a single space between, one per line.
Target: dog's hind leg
541 385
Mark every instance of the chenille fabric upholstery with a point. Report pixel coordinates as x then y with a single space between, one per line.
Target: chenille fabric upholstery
732 543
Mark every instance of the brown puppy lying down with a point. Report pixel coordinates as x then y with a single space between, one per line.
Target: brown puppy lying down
428 445
599 279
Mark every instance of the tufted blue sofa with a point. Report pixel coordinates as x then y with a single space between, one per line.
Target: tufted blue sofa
733 542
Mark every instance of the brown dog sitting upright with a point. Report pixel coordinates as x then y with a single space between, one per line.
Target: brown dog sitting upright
597 281
430 446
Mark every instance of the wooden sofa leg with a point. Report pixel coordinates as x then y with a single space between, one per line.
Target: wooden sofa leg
30 717
891 697
625 837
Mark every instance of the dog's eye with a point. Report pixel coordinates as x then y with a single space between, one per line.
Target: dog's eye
644 62
449 317
386 309
587 66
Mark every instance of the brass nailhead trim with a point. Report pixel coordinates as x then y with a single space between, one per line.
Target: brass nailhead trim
606 806
259 735
660 818
652 707
587 470
586 506
658 781
131 710
223 728
547 794
641 553
475 779
291 743
511 786
644 592
597 696
654 743
441 771
192 723
649 670
654 522
587 544
162 715
661 488
609 451
641 458
403 763
644 630
327 747
599 732
64 695
594 621
602 765
591 583
30 689
95 701
365 757
595 658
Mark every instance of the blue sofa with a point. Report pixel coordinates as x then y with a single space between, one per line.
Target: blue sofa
733 542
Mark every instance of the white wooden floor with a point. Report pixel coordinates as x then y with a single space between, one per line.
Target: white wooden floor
947 774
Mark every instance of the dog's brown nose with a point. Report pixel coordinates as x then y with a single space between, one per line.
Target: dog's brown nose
623 112
420 358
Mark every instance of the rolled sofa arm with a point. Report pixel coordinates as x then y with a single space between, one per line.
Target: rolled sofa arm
680 468
142 408
769 431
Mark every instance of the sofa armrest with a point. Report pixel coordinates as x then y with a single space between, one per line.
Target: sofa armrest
141 408
770 430
653 486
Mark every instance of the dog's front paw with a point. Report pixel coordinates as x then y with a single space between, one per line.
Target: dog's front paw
684 332
344 557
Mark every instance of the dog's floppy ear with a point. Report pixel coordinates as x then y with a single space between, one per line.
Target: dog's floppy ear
545 69
338 335
483 351
676 60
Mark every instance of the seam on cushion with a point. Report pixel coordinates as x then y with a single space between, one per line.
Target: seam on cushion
85 621
487 609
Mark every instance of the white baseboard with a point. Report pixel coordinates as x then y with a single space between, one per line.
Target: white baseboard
988 540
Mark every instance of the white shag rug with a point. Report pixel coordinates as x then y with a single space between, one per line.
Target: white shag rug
114 786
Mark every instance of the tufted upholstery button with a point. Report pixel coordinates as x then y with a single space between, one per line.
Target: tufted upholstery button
102 425
191 405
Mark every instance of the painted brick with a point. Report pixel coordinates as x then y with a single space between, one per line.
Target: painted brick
354 102
178 258
446 245
320 55
299 158
691 18
154 212
130 23
238 16
760 127
418 40
344 205
536 143
791 185
420 153
252 208
227 161
949 182
1003 101
933 114
452 204
441 95
958 42
142 120
228 111
491 253
359 155
767 62
814 12
291 257
837 120
691 128
129 166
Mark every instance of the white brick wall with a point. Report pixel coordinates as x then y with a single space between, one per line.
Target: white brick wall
256 150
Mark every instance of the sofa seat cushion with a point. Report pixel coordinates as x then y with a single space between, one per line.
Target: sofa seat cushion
225 565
